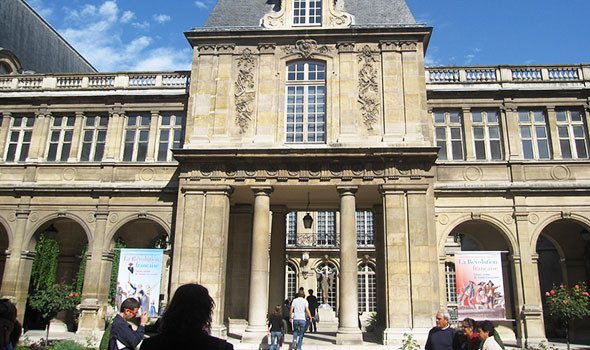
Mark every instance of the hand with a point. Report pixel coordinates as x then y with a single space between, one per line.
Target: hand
143 319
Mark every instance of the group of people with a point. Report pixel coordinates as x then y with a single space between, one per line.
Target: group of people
300 314
472 335
482 295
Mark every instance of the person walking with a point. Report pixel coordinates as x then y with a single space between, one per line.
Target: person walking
468 339
442 336
186 323
313 307
299 315
275 328
123 337
486 333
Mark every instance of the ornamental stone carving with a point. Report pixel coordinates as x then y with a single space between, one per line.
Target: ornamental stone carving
245 92
368 88
280 17
306 48
338 17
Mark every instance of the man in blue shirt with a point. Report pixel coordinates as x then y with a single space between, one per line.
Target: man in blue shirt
123 337
441 337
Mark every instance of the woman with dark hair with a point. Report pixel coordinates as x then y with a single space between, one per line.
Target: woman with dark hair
186 323
10 329
467 338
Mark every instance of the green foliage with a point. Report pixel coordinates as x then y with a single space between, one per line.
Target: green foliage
104 341
81 271
67 345
372 321
54 299
409 343
565 304
115 270
45 263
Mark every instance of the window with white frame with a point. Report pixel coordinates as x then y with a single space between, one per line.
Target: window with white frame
365 234
291 287
291 228
326 228
306 102
533 134
486 134
367 288
448 126
571 129
94 136
169 135
137 131
60 138
451 283
19 139
307 12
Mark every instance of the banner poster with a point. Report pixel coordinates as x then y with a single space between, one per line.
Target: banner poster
139 277
480 285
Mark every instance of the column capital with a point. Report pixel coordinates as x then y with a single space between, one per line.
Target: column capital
262 190
403 188
550 108
466 109
6 114
210 189
347 190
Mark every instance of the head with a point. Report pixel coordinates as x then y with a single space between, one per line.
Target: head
278 310
486 329
310 291
7 319
301 293
190 310
129 308
468 326
442 318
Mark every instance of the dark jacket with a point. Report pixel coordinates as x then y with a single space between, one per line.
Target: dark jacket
122 331
199 342
440 339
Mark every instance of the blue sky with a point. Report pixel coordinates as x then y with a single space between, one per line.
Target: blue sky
144 35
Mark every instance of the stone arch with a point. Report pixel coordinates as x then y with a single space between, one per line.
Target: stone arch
30 238
9 62
8 229
581 220
6 240
110 239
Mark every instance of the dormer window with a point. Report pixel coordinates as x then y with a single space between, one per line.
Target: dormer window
307 12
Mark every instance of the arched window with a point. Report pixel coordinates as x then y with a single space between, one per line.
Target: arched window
451 283
307 12
5 68
306 102
367 288
327 275
291 287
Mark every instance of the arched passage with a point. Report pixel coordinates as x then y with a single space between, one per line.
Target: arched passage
4 242
563 249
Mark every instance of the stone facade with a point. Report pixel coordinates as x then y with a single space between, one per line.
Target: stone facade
437 155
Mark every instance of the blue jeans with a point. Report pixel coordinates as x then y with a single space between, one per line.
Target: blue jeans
298 332
275 340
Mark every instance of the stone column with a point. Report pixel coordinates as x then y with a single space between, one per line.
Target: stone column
78 127
200 243
348 329
512 133
152 135
39 137
259 275
278 243
468 129
552 131
96 277
4 131
114 137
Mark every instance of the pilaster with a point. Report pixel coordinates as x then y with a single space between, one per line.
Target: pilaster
513 146
78 125
223 89
393 88
348 87
152 136
114 136
415 105
39 136
554 136
266 111
202 94
468 130
4 130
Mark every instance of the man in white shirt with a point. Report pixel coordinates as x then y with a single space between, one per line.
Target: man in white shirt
299 315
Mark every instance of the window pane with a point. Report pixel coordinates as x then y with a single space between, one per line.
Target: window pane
442 153
494 132
52 152
480 150
24 152
566 151
478 133
439 117
543 149
496 150
539 117
85 154
527 149
524 117
476 117
581 149
561 116
576 116
457 150
455 117
99 152
10 154
492 116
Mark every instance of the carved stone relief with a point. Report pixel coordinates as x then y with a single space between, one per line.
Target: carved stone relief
306 48
368 88
245 92
281 15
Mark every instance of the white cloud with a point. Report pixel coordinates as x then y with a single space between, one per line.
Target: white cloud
95 31
201 4
127 17
43 10
161 18
145 25
472 55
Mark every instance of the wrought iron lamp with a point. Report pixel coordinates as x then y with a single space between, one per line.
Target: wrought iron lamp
307 219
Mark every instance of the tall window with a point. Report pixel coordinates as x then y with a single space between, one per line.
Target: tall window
449 134
326 228
306 103
533 134
137 133
486 134
291 228
572 135
60 141
451 283
291 287
21 131
367 288
170 135
307 12
94 138
364 228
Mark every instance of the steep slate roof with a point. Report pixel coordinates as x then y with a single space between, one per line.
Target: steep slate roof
35 43
247 13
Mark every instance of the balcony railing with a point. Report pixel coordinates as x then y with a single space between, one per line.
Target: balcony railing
504 74
36 82
315 240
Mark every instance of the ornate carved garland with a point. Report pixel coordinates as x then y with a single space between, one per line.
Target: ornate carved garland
306 48
245 92
368 88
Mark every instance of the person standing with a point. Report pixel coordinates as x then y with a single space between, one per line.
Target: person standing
275 328
442 336
313 307
299 314
468 339
486 333
123 337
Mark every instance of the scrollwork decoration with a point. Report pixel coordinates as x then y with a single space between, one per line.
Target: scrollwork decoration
245 92
368 88
306 48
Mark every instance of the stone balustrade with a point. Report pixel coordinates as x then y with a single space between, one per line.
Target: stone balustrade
507 74
57 82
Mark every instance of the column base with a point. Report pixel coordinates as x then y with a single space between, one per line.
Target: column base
396 336
349 336
91 319
255 335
